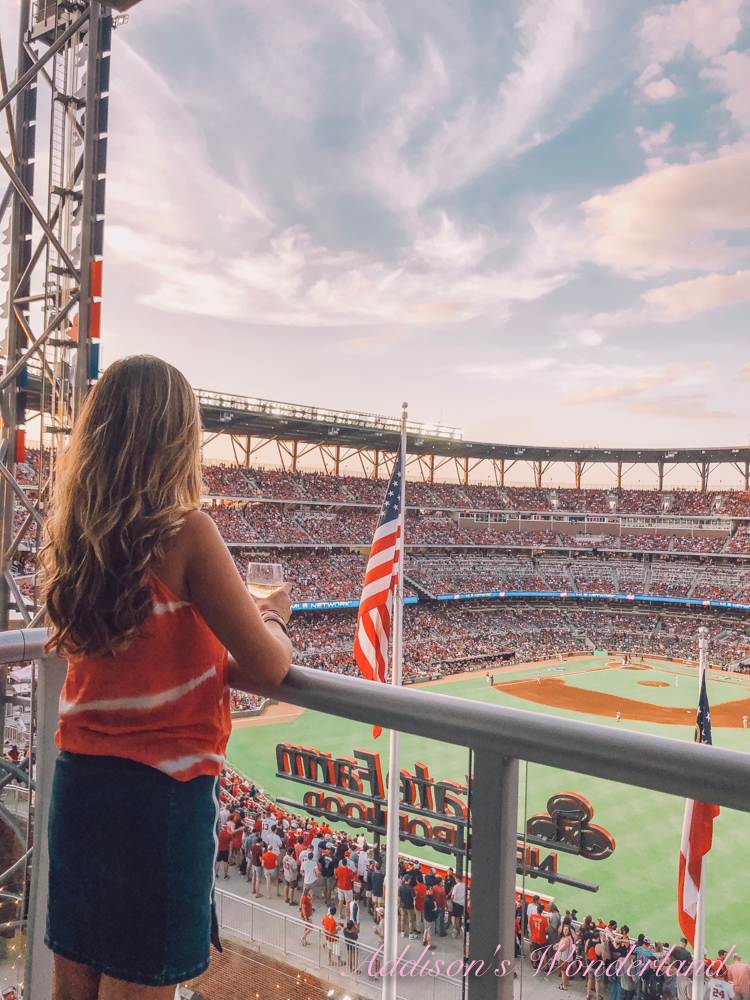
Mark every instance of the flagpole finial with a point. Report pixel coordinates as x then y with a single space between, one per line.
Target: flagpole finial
404 406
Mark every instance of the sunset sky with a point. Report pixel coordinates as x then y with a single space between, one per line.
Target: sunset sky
529 219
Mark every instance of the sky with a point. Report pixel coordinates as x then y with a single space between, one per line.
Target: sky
529 219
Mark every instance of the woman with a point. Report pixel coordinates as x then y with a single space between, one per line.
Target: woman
565 950
145 601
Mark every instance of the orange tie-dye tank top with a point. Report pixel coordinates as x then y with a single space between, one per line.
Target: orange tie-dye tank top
164 701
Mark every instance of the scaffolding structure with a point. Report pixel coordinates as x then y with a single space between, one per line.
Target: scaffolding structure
52 222
56 114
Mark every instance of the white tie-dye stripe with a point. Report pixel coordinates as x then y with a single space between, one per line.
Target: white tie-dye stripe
185 763
166 608
142 702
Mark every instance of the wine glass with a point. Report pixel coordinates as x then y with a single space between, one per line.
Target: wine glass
264 579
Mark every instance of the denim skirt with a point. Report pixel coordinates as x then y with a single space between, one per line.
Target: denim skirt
131 882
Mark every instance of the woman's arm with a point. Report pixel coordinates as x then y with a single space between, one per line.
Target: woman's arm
259 652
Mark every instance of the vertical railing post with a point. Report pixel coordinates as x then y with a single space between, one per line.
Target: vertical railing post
38 972
494 819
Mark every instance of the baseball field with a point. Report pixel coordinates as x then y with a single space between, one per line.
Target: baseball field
638 883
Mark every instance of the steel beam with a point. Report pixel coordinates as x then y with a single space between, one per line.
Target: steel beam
92 169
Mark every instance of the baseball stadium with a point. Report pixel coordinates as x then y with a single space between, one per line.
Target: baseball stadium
571 603
565 748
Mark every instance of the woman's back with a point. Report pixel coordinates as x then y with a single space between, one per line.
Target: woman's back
163 701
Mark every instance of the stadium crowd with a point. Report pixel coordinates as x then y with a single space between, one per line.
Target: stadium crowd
446 640
309 525
269 846
278 484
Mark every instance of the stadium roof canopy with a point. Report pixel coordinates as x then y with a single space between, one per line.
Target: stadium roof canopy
289 422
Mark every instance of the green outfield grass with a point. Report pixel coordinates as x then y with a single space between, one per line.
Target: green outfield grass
638 884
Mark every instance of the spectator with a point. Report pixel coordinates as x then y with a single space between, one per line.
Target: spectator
291 875
305 909
225 841
738 975
406 905
430 912
458 896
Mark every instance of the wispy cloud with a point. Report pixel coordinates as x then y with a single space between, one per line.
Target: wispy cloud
672 303
668 218
612 391
509 372
742 375
688 407
441 134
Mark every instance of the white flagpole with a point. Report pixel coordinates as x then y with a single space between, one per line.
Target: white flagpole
700 913
390 941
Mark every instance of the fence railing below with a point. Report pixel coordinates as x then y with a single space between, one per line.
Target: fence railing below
283 933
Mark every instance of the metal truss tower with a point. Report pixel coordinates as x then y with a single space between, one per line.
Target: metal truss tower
55 238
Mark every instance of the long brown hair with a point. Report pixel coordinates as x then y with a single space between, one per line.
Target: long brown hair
128 477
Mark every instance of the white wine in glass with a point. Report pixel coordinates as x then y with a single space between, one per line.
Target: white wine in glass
264 579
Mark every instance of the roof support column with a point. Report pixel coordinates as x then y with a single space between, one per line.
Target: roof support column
538 475
705 472
499 467
293 466
375 464
660 466
619 475
578 472
747 476
431 468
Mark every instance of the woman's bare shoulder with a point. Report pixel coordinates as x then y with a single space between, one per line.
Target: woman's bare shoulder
198 532
198 524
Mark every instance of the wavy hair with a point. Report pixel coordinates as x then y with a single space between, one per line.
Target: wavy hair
128 477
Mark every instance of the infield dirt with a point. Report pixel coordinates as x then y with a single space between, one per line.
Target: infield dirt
555 692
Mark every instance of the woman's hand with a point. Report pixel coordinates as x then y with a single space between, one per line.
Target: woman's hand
280 602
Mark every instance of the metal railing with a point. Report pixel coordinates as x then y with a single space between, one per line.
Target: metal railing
282 933
499 737
15 798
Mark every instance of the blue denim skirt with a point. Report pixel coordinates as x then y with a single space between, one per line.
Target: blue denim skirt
131 879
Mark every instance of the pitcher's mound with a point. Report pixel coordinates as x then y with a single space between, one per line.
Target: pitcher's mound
654 684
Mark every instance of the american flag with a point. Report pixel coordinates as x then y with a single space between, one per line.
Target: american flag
697 834
381 576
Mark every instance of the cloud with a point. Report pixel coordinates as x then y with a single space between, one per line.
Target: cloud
440 133
203 240
651 140
687 407
584 338
506 373
731 75
666 219
660 90
589 338
684 299
742 374
703 28
613 391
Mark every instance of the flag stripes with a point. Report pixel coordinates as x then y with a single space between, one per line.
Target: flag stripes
376 605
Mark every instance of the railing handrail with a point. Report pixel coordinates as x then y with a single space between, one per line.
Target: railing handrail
660 763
